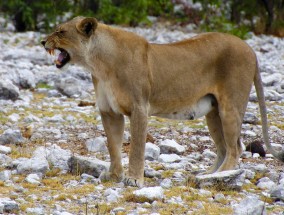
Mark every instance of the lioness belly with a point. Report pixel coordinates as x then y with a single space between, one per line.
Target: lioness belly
201 108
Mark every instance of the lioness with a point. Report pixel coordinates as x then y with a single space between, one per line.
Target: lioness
210 74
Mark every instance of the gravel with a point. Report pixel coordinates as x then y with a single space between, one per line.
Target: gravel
52 150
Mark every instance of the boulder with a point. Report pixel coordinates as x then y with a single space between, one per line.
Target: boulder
11 137
232 179
8 90
33 165
8 206
250 206
277 192
91 166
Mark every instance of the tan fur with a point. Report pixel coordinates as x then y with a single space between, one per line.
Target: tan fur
137 79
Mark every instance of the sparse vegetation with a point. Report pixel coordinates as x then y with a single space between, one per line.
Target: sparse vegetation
235 17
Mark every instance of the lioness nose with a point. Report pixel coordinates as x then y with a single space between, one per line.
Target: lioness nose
43 42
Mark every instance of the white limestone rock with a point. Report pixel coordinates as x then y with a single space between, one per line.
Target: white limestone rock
251 205
232 179
152 152
169 158
150 193
97 144
171 147
5 150
265 183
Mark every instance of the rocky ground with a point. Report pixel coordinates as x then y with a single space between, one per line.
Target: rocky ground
53 147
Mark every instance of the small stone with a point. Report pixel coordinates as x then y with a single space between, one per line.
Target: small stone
219 197
277 192
256 155
178 175
118 209
152 151
204 139
171 147
277 147
249 174
33 179
175 200
169 158
250 133
265 184
111 195
261 168
56 118
11 137
151 173
5 175
250 118
69 86
196 156
246 155
14 117
35 211
97 144
150 193
272 79
53 93
250 206
5 149
83 136
87 177
166 183
203 192
209 154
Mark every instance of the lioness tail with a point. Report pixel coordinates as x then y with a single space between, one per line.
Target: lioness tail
263 114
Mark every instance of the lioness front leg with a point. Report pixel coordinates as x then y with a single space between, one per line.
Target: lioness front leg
114 126
138 127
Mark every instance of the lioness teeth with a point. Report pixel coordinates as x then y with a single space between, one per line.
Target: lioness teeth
57 62
51 51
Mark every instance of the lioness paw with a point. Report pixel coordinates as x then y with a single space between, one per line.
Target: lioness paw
108 176
128 181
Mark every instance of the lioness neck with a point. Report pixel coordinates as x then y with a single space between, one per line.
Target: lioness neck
107 44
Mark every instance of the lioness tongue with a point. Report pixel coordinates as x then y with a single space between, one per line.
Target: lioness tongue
61 57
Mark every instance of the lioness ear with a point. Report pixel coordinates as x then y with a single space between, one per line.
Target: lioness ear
87 26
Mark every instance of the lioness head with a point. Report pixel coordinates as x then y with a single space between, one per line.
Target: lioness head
70 39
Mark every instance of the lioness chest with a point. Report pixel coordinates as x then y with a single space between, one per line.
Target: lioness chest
105 97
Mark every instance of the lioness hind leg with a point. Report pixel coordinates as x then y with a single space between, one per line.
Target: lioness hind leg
216 132
114 127
231 124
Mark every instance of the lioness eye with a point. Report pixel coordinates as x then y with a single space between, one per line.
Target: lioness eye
60 31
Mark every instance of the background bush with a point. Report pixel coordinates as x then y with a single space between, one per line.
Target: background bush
233 16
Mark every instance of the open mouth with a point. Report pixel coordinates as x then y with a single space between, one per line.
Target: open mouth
62 58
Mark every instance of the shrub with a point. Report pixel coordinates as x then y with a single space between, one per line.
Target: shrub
30 14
